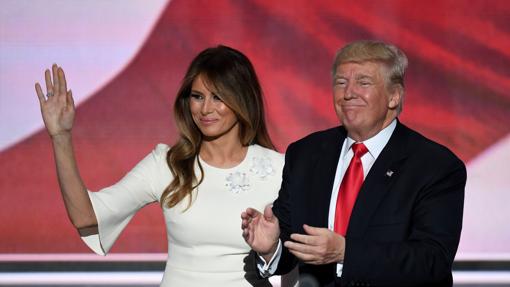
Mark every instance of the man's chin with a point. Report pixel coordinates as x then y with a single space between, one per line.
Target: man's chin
350 122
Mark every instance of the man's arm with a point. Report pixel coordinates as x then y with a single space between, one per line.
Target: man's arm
282 211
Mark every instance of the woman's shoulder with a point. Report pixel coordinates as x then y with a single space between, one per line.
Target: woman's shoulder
161 148
159 153
260 151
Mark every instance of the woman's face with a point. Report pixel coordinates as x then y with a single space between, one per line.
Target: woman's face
213 118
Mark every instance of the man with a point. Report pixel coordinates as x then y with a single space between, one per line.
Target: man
368 203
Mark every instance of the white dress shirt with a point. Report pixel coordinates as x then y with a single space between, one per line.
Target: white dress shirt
375 145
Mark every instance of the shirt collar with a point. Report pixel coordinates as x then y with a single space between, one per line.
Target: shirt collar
376 143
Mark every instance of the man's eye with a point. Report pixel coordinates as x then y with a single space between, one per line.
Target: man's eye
365 84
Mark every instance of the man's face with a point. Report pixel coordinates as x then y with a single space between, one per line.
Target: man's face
362 102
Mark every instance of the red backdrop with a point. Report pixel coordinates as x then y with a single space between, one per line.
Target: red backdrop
457 94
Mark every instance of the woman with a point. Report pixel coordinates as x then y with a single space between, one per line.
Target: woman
223 162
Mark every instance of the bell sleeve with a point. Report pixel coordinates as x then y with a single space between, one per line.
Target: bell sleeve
114 206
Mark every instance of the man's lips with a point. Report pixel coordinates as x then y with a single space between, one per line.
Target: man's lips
346 107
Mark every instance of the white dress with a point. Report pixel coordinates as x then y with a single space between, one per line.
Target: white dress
205 243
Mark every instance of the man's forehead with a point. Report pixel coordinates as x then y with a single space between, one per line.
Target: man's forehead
367 68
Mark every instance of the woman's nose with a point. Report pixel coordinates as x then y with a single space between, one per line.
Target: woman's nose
207 106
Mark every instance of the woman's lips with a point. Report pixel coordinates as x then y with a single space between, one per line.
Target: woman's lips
205 121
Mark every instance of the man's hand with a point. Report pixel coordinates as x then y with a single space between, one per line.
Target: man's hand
261 231
318 246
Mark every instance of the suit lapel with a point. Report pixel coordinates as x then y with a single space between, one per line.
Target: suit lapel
324 177
378 181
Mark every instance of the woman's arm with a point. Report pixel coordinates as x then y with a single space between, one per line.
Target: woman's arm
57 109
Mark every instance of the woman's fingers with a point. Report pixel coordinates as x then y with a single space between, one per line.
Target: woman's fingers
49 85
39 92
56 83
56 86
62 82
70 100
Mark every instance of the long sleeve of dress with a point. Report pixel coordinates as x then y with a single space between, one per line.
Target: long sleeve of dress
114 206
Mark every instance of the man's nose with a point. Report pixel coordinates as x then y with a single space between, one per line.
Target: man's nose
349 92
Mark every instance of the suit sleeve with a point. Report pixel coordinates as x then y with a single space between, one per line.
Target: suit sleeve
425 257
282 210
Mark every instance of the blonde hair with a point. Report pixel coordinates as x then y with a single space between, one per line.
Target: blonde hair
389 55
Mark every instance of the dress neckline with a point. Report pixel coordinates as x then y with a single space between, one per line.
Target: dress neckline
240 164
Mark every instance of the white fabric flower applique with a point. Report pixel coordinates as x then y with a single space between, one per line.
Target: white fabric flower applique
262 167
237 182
240 182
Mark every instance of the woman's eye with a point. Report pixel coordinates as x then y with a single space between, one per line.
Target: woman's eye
217 98
196 96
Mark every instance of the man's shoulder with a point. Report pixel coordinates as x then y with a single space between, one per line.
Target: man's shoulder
424 147
319 138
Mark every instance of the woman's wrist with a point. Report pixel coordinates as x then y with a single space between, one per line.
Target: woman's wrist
61 136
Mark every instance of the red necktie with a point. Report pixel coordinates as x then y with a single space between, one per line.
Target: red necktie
349 188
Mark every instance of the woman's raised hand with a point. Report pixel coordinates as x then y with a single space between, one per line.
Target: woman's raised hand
57 106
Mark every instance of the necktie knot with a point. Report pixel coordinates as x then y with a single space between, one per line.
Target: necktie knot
359 150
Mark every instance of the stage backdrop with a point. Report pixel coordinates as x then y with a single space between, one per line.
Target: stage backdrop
125 59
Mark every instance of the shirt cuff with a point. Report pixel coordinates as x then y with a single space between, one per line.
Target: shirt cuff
267 269
339 269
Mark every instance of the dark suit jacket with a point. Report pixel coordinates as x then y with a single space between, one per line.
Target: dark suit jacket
405 226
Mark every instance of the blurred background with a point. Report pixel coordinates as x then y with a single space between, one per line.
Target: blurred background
124 61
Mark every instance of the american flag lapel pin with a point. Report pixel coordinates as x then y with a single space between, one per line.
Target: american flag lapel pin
389 173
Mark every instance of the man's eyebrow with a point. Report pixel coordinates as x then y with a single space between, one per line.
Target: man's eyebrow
364 77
